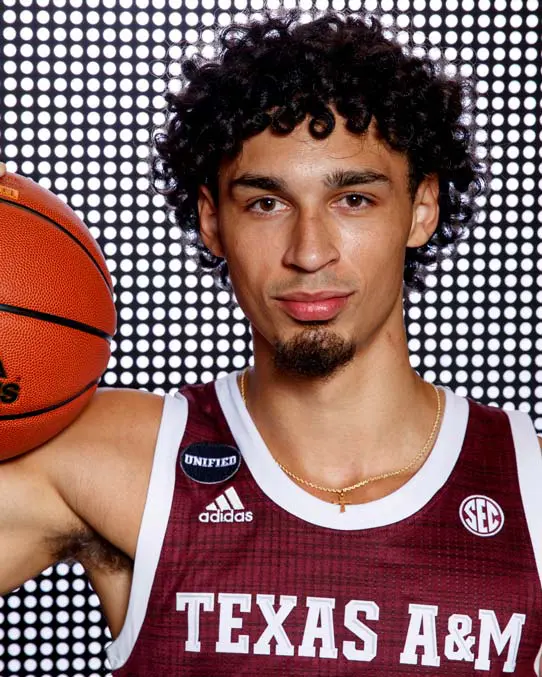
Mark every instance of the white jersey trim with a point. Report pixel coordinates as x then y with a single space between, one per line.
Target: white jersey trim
529 464
397 506
153 526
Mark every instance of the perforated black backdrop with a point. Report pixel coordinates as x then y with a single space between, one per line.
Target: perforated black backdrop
82 86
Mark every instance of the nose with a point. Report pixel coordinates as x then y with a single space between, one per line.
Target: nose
312 243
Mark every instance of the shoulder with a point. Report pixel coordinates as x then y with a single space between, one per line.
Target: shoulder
492 413
111 420
118 416
114 421
118 426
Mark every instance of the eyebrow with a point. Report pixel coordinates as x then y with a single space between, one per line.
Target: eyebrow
337 179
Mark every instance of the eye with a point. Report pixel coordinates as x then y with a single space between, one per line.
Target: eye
355 200
267 205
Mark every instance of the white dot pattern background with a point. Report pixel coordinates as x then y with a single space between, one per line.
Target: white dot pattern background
82 85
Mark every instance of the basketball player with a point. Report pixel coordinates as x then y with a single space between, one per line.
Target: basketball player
326 512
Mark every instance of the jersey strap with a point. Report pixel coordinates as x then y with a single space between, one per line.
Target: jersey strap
529 462
153 525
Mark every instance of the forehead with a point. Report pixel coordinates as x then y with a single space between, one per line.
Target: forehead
299 154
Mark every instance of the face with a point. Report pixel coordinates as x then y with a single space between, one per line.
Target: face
300 216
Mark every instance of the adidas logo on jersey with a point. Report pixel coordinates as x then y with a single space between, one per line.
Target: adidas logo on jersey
228 507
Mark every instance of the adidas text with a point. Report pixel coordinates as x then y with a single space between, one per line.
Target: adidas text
226 516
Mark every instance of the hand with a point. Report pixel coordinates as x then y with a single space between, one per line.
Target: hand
3 169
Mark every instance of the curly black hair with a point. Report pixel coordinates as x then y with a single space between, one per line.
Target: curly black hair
275 72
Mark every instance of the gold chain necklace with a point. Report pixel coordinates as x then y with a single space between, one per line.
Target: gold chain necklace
341 492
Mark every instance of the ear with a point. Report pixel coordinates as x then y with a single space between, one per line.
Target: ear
208 222
425 212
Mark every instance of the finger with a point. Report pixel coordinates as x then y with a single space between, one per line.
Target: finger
3 169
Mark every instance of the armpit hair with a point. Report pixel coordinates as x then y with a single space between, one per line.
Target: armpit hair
91 550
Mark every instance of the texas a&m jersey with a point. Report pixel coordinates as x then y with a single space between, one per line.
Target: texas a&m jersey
238 571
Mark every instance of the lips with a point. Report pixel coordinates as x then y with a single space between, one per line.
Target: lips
321 306
314 296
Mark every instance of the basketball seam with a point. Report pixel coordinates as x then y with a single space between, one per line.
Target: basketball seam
52 407
55 319
66 232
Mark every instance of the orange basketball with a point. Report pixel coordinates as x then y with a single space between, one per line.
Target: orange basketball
57 315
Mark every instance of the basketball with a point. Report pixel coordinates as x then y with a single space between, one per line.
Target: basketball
57 315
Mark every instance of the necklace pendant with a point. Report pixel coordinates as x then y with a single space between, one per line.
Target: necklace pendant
342 502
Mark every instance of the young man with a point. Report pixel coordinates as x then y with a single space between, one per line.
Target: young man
326 512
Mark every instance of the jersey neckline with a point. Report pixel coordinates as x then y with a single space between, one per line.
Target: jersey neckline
395 507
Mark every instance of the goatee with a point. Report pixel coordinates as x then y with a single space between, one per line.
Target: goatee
313 352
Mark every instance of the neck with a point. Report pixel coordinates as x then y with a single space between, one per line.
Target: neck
371 417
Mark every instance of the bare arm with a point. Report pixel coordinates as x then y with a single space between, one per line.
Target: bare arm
91 479
32 514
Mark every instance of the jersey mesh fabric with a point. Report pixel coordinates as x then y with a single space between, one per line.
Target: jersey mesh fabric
428 559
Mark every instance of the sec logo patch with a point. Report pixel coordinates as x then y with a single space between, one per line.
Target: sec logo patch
481 515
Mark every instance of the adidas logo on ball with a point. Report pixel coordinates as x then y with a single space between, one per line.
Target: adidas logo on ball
228 507
9 392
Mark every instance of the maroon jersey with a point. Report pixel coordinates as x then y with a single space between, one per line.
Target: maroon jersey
238 571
